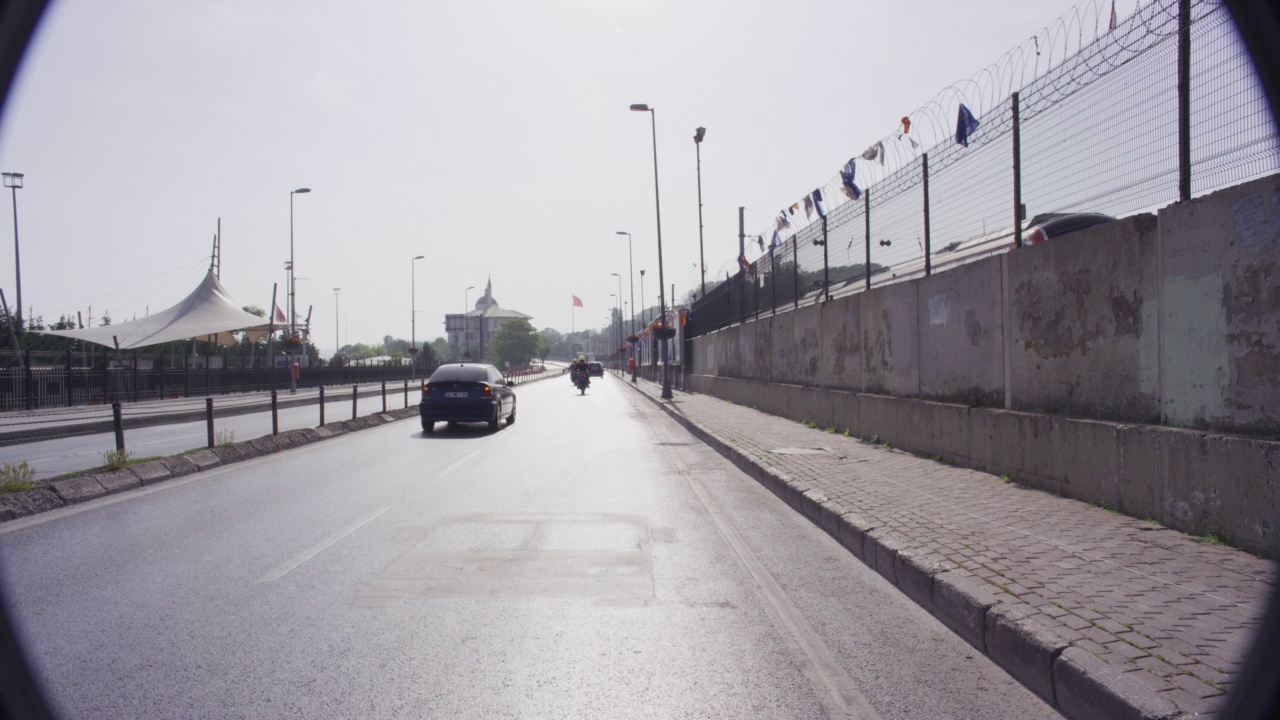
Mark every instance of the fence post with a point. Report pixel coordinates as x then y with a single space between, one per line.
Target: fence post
866 216
208 418
1017 174
118 422
406 393
795 273
1184 100
275 417
135 377
321 406
927 246
70 377
384 396
355 396
826 266
27 379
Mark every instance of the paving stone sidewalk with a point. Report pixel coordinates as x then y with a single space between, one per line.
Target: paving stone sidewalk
1100 614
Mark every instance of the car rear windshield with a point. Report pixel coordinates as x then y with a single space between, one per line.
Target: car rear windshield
460 373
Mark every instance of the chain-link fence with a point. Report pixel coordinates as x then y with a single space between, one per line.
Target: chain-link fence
1107 128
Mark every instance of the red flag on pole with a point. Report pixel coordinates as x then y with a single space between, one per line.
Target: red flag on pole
577 301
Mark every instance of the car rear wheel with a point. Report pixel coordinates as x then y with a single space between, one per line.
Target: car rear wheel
428 425
493 424
511 419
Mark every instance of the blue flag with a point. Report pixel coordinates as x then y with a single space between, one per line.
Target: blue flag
817 203
846 181
966 125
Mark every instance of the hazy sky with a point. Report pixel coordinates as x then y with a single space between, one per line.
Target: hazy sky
492 137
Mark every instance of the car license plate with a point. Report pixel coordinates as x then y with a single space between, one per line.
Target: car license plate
455 394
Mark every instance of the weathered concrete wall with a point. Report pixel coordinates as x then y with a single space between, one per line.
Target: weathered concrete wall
1036 363
1220 310
961 328
1083 331
890 340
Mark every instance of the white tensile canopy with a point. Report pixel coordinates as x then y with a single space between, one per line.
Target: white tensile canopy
207 313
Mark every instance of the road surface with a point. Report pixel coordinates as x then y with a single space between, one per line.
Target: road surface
591 560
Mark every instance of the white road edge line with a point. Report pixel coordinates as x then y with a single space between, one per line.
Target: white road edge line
842 698
446 471
281 570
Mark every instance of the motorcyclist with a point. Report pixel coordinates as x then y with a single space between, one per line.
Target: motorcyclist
577 367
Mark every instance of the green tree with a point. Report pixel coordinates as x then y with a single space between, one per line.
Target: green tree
515 342
441 348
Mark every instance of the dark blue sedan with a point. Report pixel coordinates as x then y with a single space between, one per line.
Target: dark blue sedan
467 392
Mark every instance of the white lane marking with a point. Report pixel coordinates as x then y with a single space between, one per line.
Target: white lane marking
283 569
842 698
445 471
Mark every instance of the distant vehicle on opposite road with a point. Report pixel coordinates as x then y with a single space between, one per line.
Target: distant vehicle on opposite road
595 369
467 392
1054 225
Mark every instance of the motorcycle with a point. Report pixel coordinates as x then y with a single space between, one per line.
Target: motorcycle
581 380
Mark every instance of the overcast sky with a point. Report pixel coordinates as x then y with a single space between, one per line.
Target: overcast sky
492 137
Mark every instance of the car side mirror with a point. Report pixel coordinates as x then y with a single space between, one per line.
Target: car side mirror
511 383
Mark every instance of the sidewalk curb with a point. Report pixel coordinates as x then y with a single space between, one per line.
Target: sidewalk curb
82 488
1069 679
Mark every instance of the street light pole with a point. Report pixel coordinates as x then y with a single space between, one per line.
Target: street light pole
657 204
617 309
702 260
13 180
337 346
413 316
293 298
466 321
631 280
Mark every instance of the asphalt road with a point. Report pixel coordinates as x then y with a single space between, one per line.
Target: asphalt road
592 560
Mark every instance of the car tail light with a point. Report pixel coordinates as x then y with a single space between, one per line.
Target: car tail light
486 389
1035 237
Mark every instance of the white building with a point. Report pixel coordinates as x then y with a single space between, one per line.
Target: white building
471 332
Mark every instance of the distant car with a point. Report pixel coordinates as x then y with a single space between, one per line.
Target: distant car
467 392
595 369
1054 225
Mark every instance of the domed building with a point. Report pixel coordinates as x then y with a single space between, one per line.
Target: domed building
468 334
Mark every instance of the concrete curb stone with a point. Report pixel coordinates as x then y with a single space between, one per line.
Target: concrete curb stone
30 502
151 472
228 453
1024 648
179 465
118 480
1087 687
204 459
264 445
78 489
248 449
1068 678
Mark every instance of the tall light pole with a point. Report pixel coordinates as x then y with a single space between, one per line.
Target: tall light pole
337 346
14 180
631 280
657 204
643 319
702 260
413 316
466 322
293 300
293 293
617 310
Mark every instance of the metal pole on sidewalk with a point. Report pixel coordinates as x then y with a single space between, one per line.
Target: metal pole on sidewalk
118 422
208 419
384 396
406 393
275 416
355 390
321 406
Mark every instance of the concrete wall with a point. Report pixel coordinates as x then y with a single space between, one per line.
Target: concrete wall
1037 363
